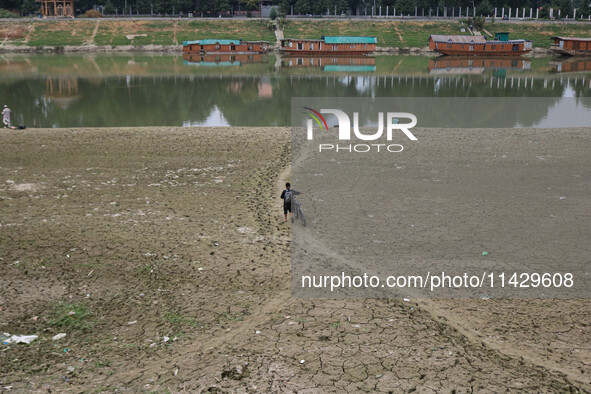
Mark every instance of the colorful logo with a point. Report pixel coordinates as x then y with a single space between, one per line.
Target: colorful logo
317 117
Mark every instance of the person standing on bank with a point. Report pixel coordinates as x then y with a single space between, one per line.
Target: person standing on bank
287 197
6 116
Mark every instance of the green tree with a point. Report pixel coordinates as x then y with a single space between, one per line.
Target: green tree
406 7
545 12
566 8
273 14
302 7
109 8
284 7
251 5
485 8
29 7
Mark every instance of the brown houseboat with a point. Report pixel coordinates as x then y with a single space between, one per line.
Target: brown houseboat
337 45
572 46
224 46
479 45
475 65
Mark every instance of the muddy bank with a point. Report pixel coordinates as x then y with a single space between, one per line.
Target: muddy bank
161 254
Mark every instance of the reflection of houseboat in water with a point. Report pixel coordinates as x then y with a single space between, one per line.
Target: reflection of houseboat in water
219 59
61 91
571 46
479 45
337 45
572 65
475 65
331 63
224 46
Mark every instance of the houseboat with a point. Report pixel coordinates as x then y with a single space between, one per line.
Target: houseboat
479 45
338 45
224 46
571 46
224 59
331 63
475 65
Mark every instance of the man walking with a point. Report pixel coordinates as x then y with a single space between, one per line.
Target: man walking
6 116
287 197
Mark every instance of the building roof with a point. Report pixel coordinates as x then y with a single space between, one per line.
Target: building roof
212 42
572 38
459 39
350 40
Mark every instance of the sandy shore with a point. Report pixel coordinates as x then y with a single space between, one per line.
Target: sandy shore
160 252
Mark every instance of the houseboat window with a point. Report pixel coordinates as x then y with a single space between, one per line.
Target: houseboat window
493 47
311 61
334 47
312 47
300 46
232 47
217 46
300 61
448 46
462 46
250 47
515 47
201 47
576 45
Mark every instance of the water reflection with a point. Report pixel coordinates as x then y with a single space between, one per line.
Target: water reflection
353 64
571 64
221 60
62 91
476 65
144 90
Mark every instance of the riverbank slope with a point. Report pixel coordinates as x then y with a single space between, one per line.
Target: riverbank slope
168 34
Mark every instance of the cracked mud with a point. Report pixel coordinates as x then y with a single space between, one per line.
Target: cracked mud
162 255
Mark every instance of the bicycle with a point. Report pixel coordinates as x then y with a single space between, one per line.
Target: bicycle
297 210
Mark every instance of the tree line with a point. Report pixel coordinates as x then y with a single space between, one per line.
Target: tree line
304 7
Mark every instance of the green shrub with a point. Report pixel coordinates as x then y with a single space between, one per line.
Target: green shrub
7 14
92 14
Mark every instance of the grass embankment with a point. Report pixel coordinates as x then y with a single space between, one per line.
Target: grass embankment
173 32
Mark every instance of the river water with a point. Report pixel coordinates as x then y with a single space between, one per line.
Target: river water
97 90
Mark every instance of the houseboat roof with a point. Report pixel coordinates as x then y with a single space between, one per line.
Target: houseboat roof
572 38
338 40
350 40
213 41
458 39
